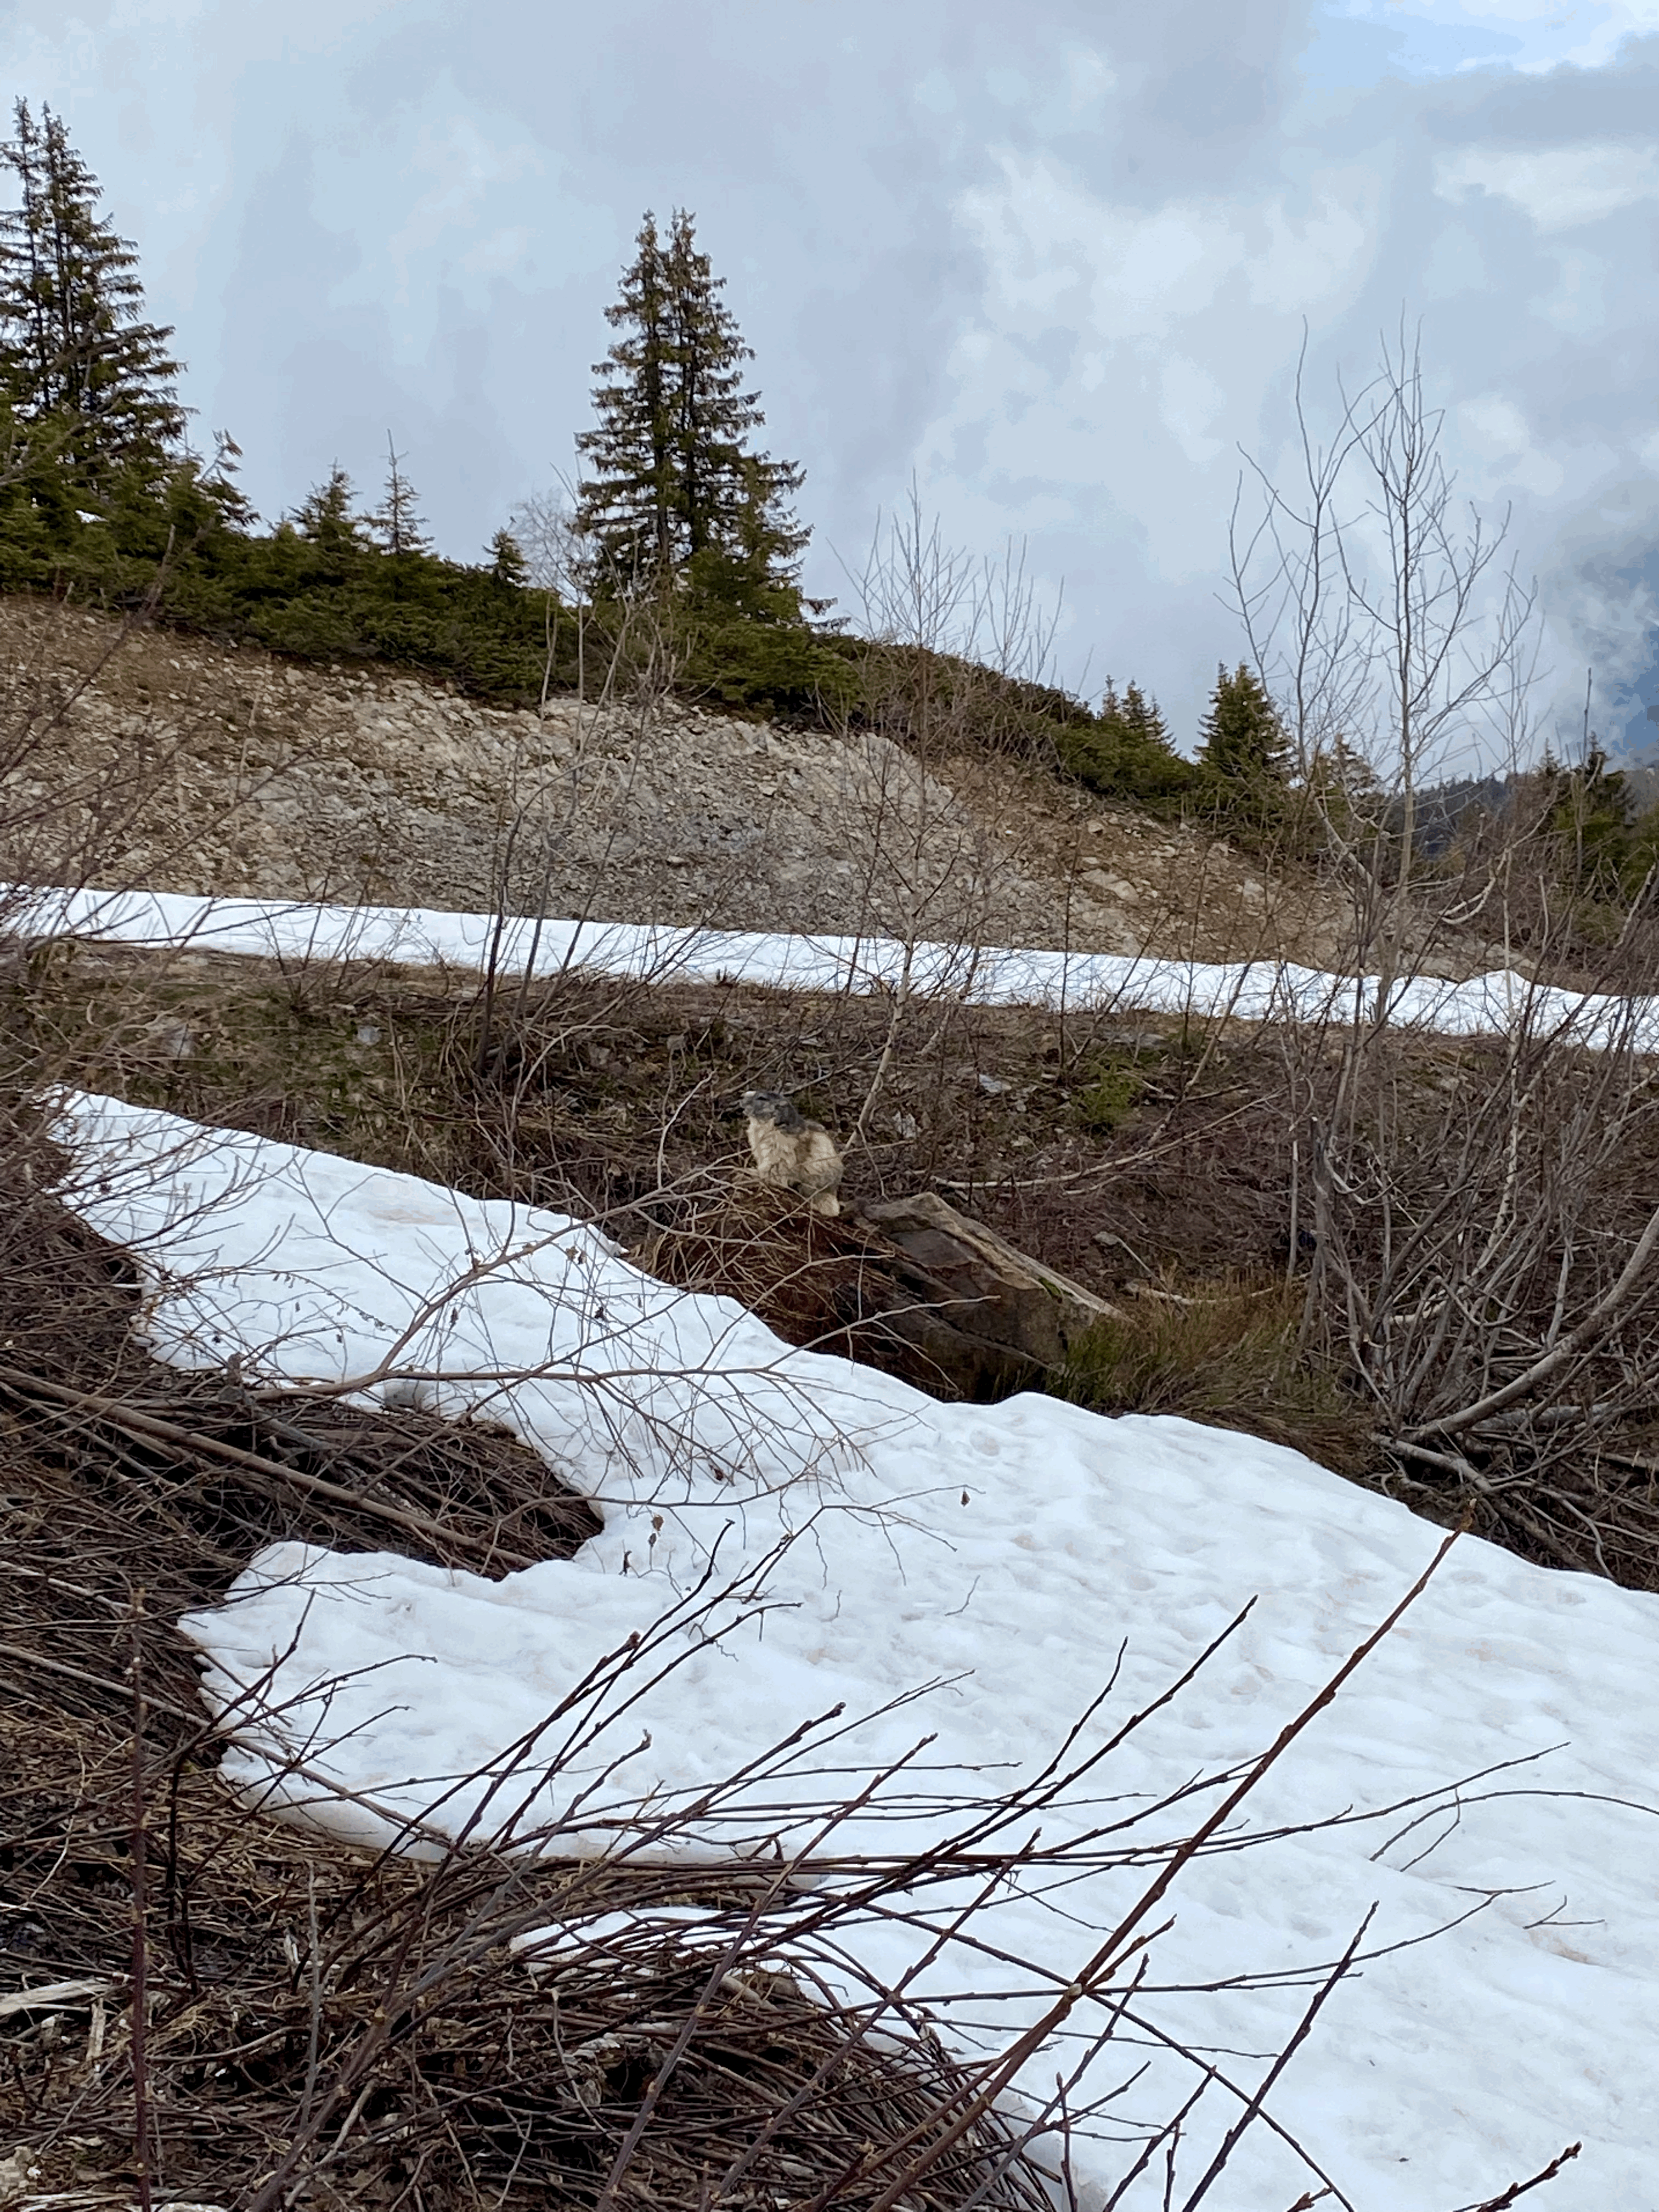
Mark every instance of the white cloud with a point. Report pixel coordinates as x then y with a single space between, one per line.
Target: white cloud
1120 356
1135 272
465 168
1557 187
1089 78
1585 33
495 255
1494 429
1060 268
1192 402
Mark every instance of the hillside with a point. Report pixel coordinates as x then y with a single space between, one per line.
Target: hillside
372 1390
783 1423
289 780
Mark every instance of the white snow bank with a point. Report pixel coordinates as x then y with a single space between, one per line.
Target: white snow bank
1003 1555
1260 990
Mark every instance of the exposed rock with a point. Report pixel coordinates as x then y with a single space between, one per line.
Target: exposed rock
362 784
989 1316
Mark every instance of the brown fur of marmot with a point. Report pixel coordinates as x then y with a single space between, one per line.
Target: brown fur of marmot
790 1152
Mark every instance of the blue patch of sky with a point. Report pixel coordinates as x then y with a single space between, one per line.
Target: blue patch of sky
1354 44
1357 42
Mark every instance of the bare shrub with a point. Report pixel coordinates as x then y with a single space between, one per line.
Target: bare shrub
203 2002
203 2005
1475 1237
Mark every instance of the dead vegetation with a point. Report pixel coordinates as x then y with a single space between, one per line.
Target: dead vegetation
619 1103
203 2004
1278 1214
259 776
200 2004
1227 1352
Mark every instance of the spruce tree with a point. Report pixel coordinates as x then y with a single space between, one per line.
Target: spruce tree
1143 725
326 519
1590 821
1244 757
1125 749
507 564
75 350
395 525
673 479
1349 800
627 509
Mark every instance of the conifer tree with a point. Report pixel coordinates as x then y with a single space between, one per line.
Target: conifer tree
1590 819
325 517
672 476
627 509
1348 795
1126 749
507 564
1143 726
395 525
75 348
1244 757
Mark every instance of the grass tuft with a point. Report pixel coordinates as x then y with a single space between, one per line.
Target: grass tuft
1225 1354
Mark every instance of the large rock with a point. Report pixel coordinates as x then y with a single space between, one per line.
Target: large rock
988 1317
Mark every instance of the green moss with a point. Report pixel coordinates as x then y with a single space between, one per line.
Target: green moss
1110 1090
1107 1101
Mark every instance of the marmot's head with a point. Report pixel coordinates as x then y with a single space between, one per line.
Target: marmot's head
772 1106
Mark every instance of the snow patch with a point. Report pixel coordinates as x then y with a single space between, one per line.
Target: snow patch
786 1532
1255 990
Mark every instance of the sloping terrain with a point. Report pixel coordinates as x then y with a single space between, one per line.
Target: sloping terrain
282 2006
1010 1558
293 781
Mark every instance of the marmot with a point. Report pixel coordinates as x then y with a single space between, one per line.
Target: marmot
791 1152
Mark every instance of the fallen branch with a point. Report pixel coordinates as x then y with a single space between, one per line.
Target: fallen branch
266 1472
1589 1331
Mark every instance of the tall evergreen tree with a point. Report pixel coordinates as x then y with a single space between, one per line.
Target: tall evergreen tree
626 507
1244 757
672 474
395 523
76 351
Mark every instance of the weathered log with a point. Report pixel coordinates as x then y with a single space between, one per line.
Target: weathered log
990 1315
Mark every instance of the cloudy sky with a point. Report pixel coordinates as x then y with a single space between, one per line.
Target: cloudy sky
1053 262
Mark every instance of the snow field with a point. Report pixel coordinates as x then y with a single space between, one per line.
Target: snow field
1005 1556
1260 990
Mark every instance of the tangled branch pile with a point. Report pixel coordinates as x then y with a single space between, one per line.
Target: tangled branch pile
204 2002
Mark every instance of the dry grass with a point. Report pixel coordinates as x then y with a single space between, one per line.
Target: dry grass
202 2005
1118 1152
214 2007
596 1095
218 2009
1226 1354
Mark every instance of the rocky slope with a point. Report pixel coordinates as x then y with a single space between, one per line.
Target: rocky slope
344 784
